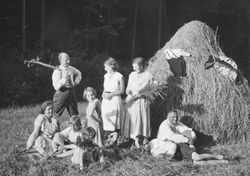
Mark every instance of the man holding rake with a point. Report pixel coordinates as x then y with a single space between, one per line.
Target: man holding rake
64 79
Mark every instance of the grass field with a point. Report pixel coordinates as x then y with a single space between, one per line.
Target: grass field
17 123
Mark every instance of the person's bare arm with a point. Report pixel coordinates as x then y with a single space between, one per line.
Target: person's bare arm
32 138
92 108
78 77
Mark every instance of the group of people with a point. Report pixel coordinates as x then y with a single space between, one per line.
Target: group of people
107 120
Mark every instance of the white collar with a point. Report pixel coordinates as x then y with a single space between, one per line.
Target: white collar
63 68
171 125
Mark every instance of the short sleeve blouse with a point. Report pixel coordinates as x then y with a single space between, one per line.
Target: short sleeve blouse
112 83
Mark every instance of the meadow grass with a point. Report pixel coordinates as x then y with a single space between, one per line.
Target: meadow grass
17 124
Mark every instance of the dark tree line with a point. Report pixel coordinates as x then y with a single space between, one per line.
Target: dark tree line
91 30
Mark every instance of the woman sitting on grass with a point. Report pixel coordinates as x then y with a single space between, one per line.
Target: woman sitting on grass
46 125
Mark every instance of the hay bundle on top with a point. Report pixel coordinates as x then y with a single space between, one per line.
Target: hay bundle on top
210 101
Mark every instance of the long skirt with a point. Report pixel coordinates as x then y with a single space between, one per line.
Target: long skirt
45 145
137 119
111 113
98 129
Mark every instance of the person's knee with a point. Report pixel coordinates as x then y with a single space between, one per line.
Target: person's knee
195 156
58 139
57 135
172 149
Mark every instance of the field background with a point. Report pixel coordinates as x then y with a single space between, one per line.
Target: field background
17 123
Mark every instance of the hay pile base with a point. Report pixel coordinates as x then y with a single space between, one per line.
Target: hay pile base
207 100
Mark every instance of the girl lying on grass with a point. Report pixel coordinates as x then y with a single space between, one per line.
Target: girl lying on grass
85 151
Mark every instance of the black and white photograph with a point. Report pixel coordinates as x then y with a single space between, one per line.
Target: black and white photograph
125 87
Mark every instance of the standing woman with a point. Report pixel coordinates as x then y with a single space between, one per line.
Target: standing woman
112 102
137 118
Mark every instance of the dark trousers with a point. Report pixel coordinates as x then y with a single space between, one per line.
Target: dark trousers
65 98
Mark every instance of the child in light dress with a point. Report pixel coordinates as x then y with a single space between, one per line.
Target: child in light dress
93 114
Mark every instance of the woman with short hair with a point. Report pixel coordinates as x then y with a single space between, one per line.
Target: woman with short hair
46 125
112 102
137 118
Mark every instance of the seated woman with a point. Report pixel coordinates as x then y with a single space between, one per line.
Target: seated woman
46 126
70 134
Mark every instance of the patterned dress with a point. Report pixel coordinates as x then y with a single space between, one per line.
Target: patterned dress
137 115
44 143
111 109
92 122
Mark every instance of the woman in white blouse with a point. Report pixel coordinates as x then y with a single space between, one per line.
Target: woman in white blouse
112 102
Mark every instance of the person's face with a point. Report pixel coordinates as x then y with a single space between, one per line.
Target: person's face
49 111
91 137
77 125
108 68
90 96
173 118
65 61
137 67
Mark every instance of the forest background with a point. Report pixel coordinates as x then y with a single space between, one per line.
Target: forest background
92 30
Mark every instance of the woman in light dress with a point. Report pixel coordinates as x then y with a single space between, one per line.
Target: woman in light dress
46 125
137 115
93 112
112 102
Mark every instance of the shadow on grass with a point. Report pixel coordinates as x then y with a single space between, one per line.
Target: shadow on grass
203 140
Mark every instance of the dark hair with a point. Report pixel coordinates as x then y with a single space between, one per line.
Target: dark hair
74 119
88 89
91 132
112 63
45 105
140 61
86 140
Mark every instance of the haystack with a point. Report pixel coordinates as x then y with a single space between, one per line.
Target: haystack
207 101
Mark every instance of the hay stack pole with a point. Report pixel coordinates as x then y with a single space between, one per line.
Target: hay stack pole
214 104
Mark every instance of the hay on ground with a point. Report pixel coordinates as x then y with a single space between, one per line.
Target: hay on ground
209 101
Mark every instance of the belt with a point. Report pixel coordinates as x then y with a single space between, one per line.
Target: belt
63 89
